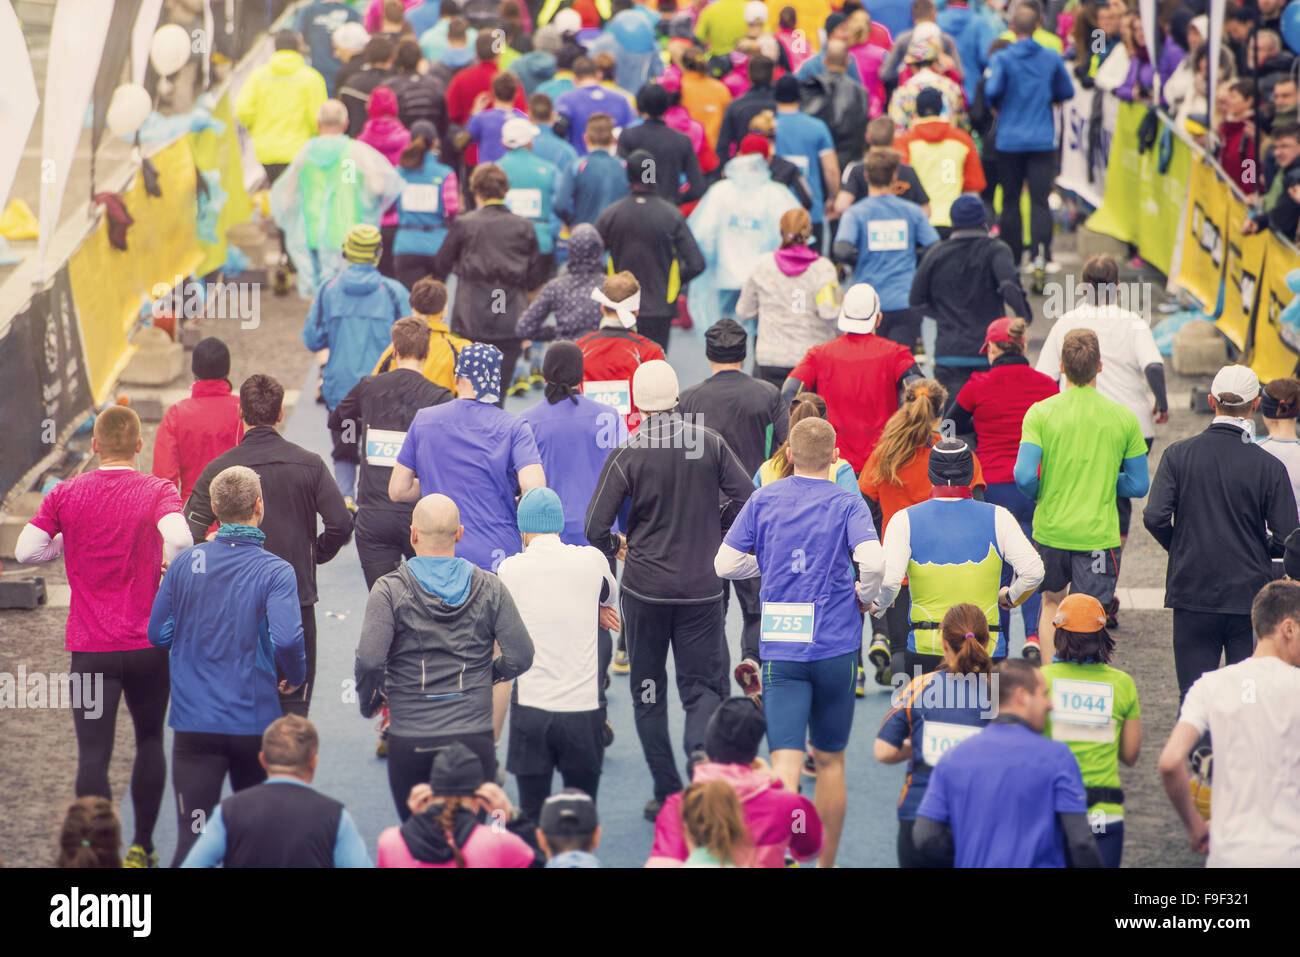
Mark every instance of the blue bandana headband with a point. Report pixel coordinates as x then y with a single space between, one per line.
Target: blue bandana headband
480 363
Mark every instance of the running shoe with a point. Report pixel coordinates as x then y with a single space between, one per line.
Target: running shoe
281 282
519 386
1038 277
1032 652
351 503
652 808
880 656
860 684
607 734
1112 610
750 683
137 856
535 377
790 861
809 766
621 664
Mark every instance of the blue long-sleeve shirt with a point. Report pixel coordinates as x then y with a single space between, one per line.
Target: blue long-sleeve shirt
210 849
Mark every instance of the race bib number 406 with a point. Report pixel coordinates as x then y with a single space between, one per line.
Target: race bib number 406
887 235
788 621
611 392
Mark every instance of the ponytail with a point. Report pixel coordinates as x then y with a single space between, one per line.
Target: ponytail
413 154
908 430
802 406
447 821
91 835
965 632
711 815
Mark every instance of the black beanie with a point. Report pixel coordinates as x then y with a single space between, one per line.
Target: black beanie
734 732
638 162
1271 408
456 771
562 370
725 341
951 463
211 359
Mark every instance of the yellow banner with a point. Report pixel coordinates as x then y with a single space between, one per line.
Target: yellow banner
1201 270
111 285
1242 273
1277 337
221 153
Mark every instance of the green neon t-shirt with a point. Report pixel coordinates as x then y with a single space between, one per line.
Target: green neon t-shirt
1094 700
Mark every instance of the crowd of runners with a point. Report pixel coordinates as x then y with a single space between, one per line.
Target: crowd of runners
479 202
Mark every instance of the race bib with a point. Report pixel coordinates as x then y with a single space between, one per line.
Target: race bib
788 621
525 202
420 198
799 160
611 392
382 447
1082 710
887 235
940 737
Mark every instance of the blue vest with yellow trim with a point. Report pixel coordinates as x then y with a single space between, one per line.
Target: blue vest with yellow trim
955 559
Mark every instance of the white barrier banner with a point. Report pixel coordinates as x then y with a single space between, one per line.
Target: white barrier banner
1083 156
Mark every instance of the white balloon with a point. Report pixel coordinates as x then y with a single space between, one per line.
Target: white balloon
170 49
128 109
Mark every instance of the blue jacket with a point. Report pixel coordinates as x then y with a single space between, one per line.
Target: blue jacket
972 34
352 316
228 610
587 185
421 215
1024 81
317 22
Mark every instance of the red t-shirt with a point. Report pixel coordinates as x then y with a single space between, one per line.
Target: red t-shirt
858 377
471 83
998 400
612 355
112 551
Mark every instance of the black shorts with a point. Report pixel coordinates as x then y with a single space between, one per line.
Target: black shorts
1092 573
542 741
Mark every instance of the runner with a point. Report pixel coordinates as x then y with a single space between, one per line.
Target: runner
113 556
804 405
569 830
671 475
812 627
429 304
285 822
91 836
1279 405
858 373
935 713
226 610
376 414
674 157
568 296
1095 711
428 203
564 593
751 417
783 823
612 354
532 186
1076 521
1253 824
953 548
713 826
426 651
1008 797
297 487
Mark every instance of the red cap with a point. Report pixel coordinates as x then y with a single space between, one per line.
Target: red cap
999 331
754 143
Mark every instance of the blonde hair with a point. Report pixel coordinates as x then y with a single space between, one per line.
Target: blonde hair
802 406
908 430
763 123
712 817
796 227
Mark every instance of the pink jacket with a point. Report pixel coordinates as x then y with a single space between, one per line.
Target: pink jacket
374 18
485 848
385 132
776 818
869 58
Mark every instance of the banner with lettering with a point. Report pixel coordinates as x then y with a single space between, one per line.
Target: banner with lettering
1277 322
1242 272
1200 272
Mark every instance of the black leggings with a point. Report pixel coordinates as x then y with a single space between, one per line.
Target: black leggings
410 761
144 678
200 763
298 702
411 268
1038 169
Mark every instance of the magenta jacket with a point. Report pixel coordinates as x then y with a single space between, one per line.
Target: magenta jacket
486 847
777 819
385 132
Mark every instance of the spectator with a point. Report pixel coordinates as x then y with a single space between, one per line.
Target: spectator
936 148
91 836
283 822
376 71
196 430
587 185
1277 210
1138 86
278 105
1237 134
671 151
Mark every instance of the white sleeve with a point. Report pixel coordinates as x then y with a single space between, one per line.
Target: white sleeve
898 553
35 545
176 535
612 600
1195 706
1049 358
1144 346
1020 552
870 557
733 563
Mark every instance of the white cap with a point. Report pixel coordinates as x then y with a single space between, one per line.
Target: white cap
756 12
654 386
1235 380
568 20
517 132
926 30
860 311
350 37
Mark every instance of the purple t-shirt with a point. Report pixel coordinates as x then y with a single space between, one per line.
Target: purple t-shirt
485 129
471 452
112 551
581 102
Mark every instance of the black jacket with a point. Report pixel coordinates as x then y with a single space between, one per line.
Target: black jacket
736 117
789 176
355 94
495 257
388 402
675 472
842 103
644 234
421 97
747 412
296 487
963 282
1222 507
673 157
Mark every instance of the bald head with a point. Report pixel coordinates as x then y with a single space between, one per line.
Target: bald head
837 56
435 526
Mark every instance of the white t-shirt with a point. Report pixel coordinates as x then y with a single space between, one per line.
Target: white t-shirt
1252 711
556 588
1288 452
1127 348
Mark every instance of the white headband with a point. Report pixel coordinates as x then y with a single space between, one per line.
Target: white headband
626 309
